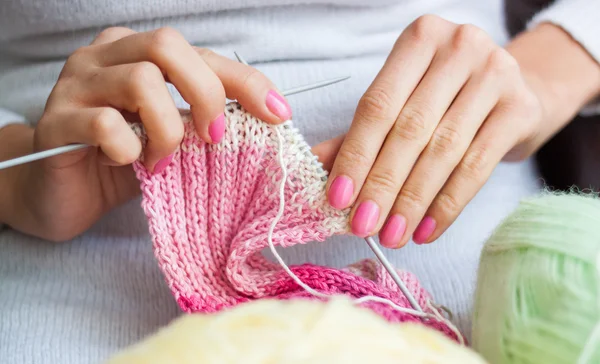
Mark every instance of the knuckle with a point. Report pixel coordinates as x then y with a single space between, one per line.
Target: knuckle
383 179
425 26
444 140
172 136
412 124
163 39
374 106
475 163
501 62
114 33
128 154
252 77
75 61
105 123
468 36
131 155
447 204
205 52
143 75
352 154
411 197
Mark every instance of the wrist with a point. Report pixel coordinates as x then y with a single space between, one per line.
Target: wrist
559 71
15 140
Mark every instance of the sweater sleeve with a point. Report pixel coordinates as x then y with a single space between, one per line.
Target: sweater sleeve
9 117
579 18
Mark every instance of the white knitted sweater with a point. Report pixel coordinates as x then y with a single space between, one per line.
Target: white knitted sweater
80 301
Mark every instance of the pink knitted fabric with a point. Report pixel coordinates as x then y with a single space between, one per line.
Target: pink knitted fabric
210 210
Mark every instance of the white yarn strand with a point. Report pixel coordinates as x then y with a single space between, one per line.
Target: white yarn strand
436 315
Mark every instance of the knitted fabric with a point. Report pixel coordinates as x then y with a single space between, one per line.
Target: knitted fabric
210 210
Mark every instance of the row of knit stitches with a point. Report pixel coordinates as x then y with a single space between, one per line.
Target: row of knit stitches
306 217
210 210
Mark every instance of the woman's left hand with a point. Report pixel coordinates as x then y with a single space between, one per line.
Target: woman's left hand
447 107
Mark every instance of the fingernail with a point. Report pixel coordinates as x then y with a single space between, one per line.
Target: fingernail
340 192
392 231
365 219
216 129
424 230
162 164
278 106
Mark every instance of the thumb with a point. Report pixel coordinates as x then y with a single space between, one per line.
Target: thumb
328 150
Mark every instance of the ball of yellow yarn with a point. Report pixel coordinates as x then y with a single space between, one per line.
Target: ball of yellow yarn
538 292
294 332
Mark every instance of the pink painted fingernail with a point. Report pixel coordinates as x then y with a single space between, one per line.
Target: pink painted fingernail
365 219
340 192
162 164
216 129
392 231
424 230
278 106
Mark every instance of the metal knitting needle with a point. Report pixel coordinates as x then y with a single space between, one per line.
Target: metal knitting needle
239 58
69 148
390 269
295 90
377 251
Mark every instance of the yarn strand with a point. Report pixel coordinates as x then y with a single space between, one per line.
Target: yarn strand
436 315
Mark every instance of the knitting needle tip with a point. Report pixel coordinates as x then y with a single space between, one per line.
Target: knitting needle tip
313 86
395 277
239 58
303 88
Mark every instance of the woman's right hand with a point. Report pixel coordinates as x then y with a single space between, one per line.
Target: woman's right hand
122 77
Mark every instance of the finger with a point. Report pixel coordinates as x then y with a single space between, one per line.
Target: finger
444 151
183 66
492 142
412 132
252 89
328 150
140 88
112 34
103 127
377 111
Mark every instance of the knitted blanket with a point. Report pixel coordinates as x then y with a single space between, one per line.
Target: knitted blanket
210 211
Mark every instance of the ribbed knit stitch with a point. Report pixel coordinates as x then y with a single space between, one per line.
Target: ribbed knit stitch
209 214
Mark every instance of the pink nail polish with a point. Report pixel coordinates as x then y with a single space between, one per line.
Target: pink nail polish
392 231
365 219
340 192
424 230
162 164
216 129
278 106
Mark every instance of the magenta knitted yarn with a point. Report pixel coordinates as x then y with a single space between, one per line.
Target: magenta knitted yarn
210 210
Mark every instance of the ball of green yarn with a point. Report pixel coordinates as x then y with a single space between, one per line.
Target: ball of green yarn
538 288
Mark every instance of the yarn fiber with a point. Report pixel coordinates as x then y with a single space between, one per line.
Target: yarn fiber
210 212
537 298
294 332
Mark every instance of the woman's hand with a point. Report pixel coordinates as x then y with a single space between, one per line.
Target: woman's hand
122 76
446 108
